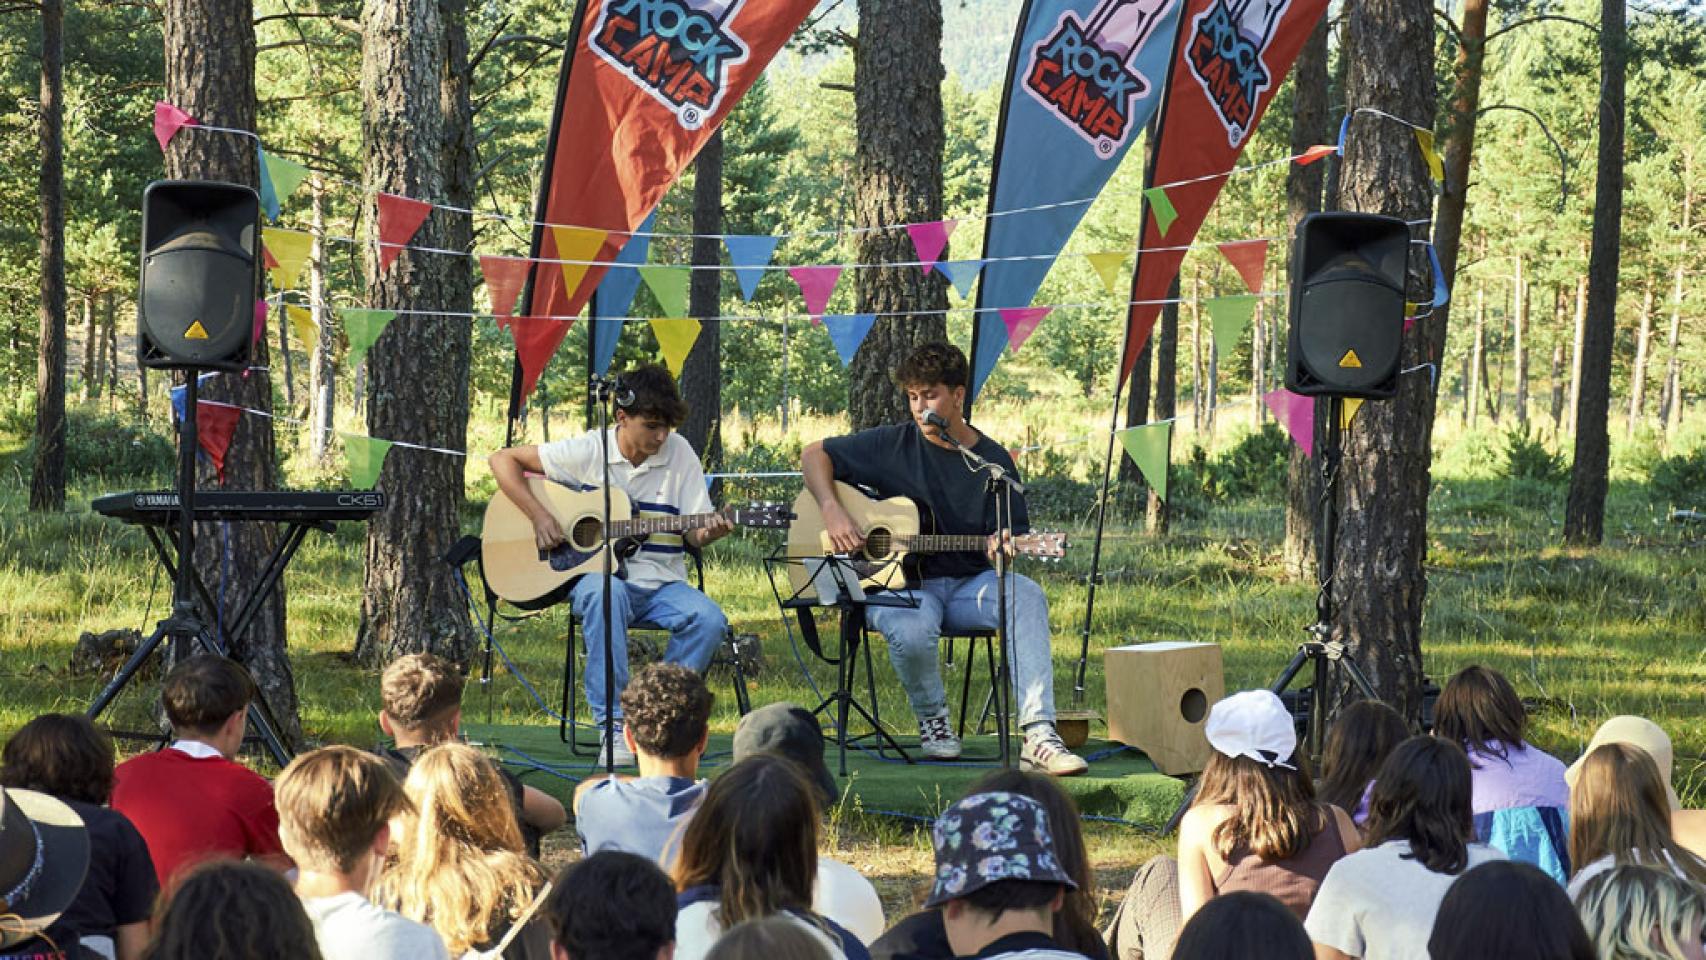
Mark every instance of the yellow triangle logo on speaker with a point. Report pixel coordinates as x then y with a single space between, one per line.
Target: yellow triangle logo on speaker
196 331
1350 359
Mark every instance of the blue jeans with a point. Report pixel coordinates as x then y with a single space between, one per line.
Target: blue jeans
958 603
696 628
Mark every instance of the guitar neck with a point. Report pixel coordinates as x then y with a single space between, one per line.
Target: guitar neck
644 526
944 542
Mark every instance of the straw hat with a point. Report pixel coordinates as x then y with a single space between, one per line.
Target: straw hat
1635 731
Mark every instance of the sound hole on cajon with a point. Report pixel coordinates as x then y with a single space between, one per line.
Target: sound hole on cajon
877 544
587 533
1193 706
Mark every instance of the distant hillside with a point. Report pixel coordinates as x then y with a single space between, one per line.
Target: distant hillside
977 36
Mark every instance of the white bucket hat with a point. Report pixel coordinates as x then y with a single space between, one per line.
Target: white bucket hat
1637 732
1254 724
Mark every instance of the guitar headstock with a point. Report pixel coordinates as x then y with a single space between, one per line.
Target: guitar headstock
763 515
1044 544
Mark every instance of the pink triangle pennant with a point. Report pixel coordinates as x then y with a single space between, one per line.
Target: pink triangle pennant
399 219
536 341
930 239
168 120
1021 323
1315 153
1247 257
817 284
504 277
1296 413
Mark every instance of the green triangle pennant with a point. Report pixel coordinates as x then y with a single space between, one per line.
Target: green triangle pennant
1229 316
669 285
1162 207
286 175
1149 447
365 455
363 328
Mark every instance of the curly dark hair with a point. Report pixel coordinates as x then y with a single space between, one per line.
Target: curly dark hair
64 755
231 910
667 706
655 395
613 905
931 363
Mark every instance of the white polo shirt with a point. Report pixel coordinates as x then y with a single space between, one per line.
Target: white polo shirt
669 483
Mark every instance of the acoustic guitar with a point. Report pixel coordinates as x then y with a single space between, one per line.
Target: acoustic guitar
518 571
893 530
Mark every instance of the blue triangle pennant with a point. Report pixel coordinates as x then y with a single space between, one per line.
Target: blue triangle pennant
961 273
269 193
847 332
750 256
1441 294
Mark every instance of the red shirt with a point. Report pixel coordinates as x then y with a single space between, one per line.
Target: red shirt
191 809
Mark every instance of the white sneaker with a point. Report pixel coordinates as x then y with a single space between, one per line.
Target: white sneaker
1044 752
936 738
624 756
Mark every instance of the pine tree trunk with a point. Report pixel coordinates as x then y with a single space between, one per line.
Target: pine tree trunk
1380 583
1258 346
1166 393
210 73
1199 395
1460 141
92 347
1584 508
897 179
701 374
415 127
1519 345
1670 406
1638 372
47 473
322 367
1576 344
1557 381
108 367
1478 356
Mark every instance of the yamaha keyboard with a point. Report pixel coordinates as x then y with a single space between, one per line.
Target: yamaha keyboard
160 507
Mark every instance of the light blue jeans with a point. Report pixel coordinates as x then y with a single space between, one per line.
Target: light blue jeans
958 603
696 628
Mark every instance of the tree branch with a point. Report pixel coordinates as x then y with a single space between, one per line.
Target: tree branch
286 44
1563 159
842 87
485 48
1591 28
1451 27
317 15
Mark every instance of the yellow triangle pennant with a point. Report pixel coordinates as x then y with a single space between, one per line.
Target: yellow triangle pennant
577 247
1350 360
1436 169
287 251
1348 411
1107 266
302 321
675 339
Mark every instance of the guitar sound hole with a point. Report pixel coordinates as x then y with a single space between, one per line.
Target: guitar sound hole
877 545
587 533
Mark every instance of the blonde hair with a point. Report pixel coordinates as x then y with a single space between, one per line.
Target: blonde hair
459 865
332 803
1619 809
1641 913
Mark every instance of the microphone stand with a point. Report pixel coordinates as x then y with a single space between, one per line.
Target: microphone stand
1001 485
601 391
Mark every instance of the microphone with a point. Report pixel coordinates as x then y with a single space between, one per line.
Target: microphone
934 419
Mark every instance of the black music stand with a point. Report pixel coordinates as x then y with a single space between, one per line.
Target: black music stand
851 600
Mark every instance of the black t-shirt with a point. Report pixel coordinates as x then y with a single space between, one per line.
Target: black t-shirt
400 759
118 888
897 461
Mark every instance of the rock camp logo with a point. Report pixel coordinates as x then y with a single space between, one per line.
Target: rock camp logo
1225 51
678 51
1082 73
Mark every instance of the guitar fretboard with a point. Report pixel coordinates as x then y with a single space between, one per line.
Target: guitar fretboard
644 526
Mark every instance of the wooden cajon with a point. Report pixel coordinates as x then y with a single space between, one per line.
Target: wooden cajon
1158 700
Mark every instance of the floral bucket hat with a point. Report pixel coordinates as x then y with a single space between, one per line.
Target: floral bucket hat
989 837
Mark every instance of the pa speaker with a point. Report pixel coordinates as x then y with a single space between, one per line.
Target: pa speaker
200 271
1347 305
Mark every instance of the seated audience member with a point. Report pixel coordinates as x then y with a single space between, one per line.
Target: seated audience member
1687 827
192 801
751 851
1639 913
1379 902
668 709
44 852
335 807
792 732
459 865
1241 925
1362 738
767 938
1620 814
71 760
229 910
1508 910
1521 799
998 881
922 935
613 906
422 706
1255 825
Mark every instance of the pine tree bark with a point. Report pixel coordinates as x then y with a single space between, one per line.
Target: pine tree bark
702 373
92 346
322 376
210 73
1584 507
1199 395
1576 344
1478 356
1519 345
1557 386
1380 583
1638 371
107 369
897 179
415 120
1670 407
47 472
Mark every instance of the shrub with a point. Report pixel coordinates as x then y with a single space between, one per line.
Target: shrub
1527 458
104 446
1255 467
1681 480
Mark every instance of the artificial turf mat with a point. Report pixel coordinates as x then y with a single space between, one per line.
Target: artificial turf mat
1121 784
